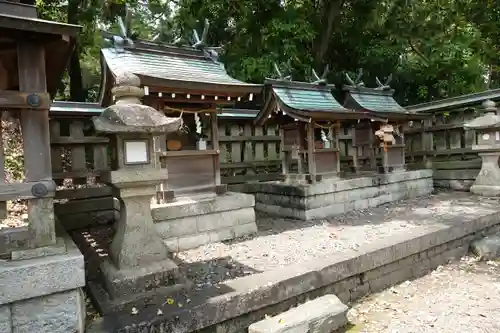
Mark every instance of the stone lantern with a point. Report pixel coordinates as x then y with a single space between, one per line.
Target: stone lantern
138 258
487 143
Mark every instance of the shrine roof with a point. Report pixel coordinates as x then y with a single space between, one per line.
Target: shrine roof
182 68
21 17
379 102
303 101
458 102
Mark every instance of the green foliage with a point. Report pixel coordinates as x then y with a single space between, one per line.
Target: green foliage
433 48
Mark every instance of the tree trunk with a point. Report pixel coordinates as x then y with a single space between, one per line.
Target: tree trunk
77 92
333 12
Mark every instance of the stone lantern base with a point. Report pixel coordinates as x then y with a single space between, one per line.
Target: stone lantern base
488 180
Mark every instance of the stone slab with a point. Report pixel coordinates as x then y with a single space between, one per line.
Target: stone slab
42 276
201 205
345 195
56 313
191 222
138 279
321 315
5 319
58 248
241 296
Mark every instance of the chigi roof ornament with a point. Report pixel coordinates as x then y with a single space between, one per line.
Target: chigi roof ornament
210 52
384 86
322 81
358 83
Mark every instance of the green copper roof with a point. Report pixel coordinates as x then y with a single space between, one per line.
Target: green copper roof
173 65
376 102
308 99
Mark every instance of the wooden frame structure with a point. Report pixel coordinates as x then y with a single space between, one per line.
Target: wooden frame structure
304 110
387 121
33 56
179 81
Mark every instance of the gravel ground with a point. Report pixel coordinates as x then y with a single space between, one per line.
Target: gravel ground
282 242
459 297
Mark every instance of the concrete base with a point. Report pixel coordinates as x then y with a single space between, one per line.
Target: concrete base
189 222
41 290
333 197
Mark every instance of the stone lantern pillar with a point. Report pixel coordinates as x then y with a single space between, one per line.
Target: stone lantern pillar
138 258
487 128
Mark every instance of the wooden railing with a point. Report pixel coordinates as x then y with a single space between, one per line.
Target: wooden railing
248 153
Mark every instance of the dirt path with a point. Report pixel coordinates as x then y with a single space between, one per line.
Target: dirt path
459 297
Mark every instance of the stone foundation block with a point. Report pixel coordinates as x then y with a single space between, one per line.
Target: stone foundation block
57 313
334 197
192 222
321 315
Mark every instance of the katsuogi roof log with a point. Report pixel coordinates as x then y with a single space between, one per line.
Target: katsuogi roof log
304 101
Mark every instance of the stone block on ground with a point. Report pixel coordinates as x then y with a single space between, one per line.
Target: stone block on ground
321 315
487 248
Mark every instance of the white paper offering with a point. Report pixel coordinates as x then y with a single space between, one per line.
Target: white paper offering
136 152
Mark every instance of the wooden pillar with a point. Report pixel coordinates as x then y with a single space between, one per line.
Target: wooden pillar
427 144
373 147
215 146
3 204
36 142
284 154
335 130
311 163
355 163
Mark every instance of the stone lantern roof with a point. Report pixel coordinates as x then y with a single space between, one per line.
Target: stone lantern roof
489 120
129 115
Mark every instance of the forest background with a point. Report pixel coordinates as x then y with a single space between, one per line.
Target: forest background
433 48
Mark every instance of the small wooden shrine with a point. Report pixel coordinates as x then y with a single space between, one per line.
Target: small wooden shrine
309 118
182 81
382 134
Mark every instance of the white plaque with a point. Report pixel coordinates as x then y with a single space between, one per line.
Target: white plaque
486 136
136 152
497 136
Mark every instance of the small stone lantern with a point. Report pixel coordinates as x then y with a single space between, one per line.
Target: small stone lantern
487 129
137 253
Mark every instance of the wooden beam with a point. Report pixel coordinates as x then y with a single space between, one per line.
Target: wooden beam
27 190
22 100
36 142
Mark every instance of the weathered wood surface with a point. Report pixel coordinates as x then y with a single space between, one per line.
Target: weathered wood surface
10 99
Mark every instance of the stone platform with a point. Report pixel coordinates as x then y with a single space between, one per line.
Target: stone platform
238 283
332 197
43 294
189 222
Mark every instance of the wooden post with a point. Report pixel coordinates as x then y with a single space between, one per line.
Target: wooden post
311 163
215 146
427 143
3 204
284 154
373 148
36 142
355 163
335 130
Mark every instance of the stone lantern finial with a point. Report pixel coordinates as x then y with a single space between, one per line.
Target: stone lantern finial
127 89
